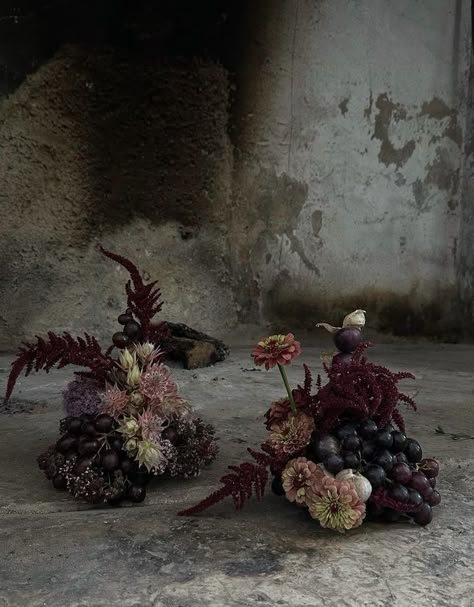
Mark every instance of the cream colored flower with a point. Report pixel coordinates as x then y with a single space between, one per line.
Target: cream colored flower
127 359
133 376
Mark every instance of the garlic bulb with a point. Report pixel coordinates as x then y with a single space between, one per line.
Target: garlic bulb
361 484
355 319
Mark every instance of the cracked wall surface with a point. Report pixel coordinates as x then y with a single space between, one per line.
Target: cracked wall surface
271 163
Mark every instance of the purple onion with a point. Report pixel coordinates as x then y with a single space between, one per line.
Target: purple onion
347 340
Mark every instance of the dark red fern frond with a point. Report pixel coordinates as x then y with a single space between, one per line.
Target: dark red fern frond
59 351
143 299
241 484
261 458
381 498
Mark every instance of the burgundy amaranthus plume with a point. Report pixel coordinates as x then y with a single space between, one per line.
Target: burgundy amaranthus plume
143 299
59 351
241 483
364 388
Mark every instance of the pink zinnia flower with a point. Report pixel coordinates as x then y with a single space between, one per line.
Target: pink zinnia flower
335 504
114 401
299 476
156 384
276 349
290 435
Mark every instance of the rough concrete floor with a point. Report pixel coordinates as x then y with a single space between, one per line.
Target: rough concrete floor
58 553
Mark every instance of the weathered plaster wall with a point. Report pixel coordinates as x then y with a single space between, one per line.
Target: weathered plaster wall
269 161
351 132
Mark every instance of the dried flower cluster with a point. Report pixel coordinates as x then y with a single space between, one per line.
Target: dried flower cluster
341 452
125 419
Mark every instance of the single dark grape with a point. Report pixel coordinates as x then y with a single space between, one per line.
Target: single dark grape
89 447
277 487
375 475
110 460
104 423
400 473
66 443
124 319
74 425
323 445
136 494
400 458
383 439
346 340
399 442
413 450
120 340
429 467
389 427
351 443
88 428
414 497
367 429
424 516
345 430
398 492
368 451
432 482
82 464
59 481
384 459
391 516
434 499
334 463
419 482
171 435
131 329
351 460
116 443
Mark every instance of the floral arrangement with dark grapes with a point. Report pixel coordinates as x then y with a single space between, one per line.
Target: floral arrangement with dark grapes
125 421
341 452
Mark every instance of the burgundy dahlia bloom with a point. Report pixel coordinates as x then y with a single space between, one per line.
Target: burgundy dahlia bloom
276 350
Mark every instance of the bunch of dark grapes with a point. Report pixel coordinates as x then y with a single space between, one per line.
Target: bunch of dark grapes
130 333
403 483
89 461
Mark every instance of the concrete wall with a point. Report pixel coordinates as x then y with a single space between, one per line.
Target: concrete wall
352 133
296 159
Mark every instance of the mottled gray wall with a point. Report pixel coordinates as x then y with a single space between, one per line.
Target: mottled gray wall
352 139
270 162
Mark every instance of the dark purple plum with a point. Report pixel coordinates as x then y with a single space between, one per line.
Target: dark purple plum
347 340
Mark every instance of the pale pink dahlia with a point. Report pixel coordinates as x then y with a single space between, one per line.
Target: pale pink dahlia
114 401
156 384
291 435
299 476
276 349
336 505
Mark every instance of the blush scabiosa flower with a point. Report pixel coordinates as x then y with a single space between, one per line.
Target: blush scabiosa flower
336 505
299 475
276 350
114 401
290 435
156 384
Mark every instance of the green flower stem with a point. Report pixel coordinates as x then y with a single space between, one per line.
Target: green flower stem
288 389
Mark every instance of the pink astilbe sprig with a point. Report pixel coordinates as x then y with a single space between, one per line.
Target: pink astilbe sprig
361 388
143 299
241 484
59 351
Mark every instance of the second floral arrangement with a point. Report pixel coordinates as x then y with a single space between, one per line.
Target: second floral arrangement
341 452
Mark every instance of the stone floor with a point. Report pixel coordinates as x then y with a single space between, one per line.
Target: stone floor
57 553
